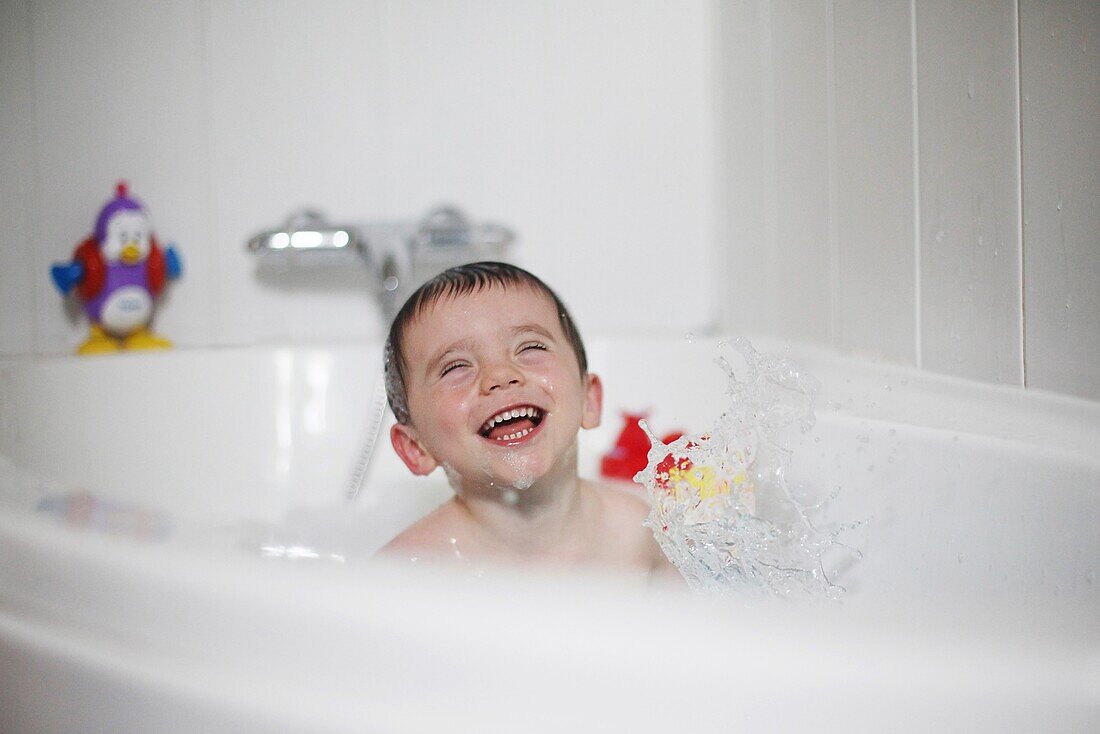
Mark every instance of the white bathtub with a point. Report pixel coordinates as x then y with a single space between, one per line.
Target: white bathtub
176 555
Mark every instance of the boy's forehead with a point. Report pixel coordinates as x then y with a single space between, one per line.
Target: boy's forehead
447 315
488 300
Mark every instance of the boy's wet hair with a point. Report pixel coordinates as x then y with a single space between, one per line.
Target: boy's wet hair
460 281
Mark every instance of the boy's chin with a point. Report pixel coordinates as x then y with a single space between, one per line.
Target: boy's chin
509 483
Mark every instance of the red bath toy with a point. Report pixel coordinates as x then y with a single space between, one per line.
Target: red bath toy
630 453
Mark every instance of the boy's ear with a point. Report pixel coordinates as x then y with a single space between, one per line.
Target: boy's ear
593 401
411 451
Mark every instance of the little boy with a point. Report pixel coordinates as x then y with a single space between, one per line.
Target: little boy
487 376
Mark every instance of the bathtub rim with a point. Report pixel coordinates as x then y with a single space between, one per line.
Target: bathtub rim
1066 425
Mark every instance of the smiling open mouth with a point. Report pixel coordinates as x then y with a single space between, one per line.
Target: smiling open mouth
512 424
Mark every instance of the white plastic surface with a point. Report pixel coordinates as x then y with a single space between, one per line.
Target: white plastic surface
974 607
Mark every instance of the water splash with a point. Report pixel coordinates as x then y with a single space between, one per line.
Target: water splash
722 507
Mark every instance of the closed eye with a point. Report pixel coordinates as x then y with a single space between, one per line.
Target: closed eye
532 345
451 366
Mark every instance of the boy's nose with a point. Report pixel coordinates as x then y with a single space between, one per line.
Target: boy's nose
500 376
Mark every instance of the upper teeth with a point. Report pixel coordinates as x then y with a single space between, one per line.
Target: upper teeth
527 411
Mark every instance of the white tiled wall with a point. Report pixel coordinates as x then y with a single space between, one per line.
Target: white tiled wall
587 128
295 116
969 187
17 292
888 194
849 172
117 94
1060 81
873 176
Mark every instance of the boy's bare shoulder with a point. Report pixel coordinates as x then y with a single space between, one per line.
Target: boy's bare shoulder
624 515
428 535
622 505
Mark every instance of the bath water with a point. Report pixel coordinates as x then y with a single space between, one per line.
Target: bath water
722 506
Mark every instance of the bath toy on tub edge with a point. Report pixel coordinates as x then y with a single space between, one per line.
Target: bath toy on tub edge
118 272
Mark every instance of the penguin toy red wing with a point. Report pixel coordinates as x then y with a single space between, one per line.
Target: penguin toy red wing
118 272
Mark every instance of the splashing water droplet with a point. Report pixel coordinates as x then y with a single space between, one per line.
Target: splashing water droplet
690 337
722 507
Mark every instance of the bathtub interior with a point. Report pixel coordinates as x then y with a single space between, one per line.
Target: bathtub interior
981 504
964 489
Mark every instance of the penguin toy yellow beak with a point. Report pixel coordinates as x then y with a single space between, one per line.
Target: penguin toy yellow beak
131 254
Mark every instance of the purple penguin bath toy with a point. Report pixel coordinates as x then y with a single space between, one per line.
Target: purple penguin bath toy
118 272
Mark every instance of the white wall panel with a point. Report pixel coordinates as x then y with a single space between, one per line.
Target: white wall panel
668 166
586 126
295 121
875 292
1060 80
748 182
118 95
796 109
17 176
968 133
775 110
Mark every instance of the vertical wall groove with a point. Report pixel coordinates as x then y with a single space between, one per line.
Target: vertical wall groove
213 326
1020 198
723 230
835 337
34 215
918 339
771 183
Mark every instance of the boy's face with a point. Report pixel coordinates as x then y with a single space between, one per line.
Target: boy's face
474 359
